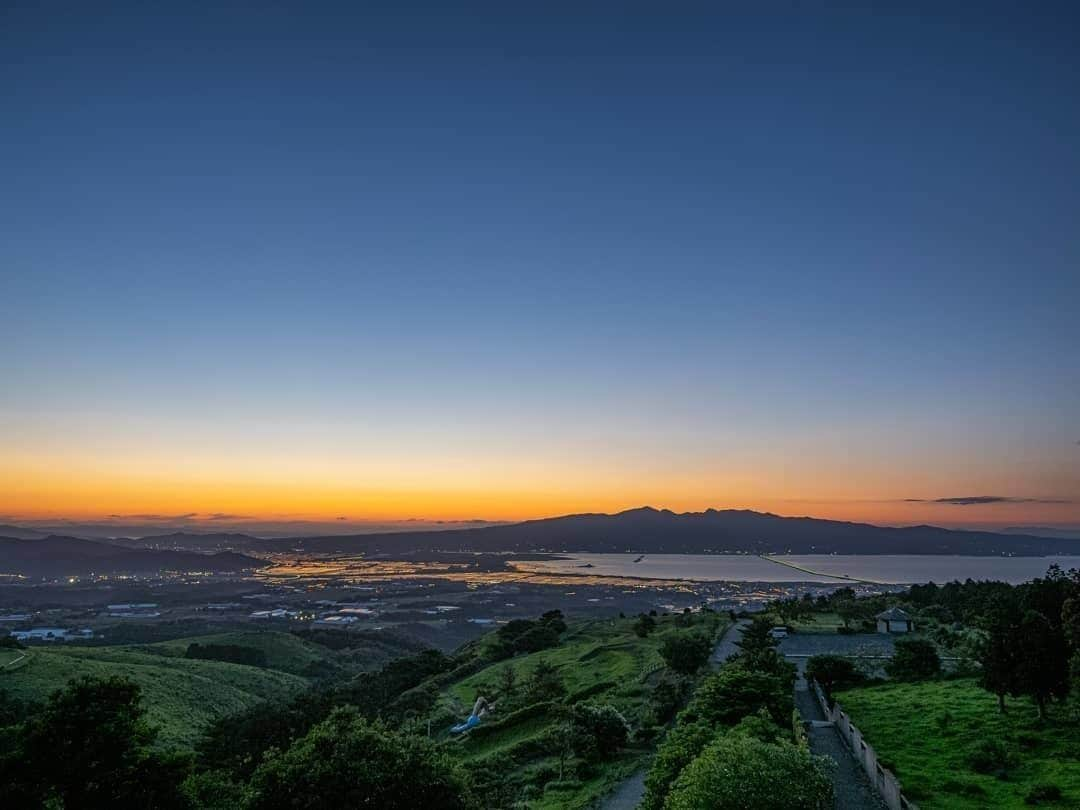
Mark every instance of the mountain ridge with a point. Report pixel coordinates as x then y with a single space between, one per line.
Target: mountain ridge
57 555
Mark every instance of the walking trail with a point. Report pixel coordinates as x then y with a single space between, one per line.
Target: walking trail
850 784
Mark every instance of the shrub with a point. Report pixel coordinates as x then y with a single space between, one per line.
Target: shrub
230 653
345 761
727 696
1043 792
914 660
686 653
760 726
992 757
665 697
739 771
644 625
681 746
834 673
598 731
961 788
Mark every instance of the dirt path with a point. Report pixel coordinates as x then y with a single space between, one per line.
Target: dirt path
629 793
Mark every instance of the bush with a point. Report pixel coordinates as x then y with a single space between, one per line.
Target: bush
760 726
992 757
598 731
1044 792
644 625
346 762
834 673
230 653
686 653
665 698
914 660
727 696
681 746
739 771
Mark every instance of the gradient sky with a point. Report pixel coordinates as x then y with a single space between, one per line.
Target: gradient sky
314 260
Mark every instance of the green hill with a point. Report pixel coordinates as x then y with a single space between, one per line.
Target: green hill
284 651
182 696
598 661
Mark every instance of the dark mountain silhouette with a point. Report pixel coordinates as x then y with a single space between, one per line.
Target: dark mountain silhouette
21 532
57 556
657 531
1045 531
188 541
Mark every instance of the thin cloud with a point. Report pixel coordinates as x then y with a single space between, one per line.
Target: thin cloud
982 500
185 516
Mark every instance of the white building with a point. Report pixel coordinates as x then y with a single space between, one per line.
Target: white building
894 620
41 634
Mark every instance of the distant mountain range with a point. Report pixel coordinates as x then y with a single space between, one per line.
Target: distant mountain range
644 530
657 531
56 556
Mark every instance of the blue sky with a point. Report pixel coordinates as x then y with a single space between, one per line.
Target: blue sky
787 257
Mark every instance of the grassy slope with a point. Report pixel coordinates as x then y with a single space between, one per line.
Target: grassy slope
182 696
903 723
599 661
284 651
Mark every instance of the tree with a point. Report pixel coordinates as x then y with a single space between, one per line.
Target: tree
727 696
90 747
644 625
741 771
345 761
679 748
536 638
544 684
686 653
758 651
507 681
914 659
757 638
833 672
599 731
1042 663
997 651
554 619
793 609
852 610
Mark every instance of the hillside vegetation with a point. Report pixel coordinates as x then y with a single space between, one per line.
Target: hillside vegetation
934 736
183 697
601 662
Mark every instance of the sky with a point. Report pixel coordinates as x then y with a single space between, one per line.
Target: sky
319 261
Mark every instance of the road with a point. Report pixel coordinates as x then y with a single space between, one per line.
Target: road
629 793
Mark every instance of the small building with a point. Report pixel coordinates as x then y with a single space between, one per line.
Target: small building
894 620
41 634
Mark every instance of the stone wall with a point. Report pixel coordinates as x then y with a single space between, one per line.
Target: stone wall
881 778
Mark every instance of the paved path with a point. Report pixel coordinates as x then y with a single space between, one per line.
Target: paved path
629 793
850 783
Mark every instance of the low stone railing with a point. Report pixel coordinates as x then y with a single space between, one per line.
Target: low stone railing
881 778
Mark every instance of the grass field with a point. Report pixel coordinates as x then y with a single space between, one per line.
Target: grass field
182 696
818 623
925 733
600 661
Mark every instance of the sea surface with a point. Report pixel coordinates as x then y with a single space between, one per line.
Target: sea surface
827 568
